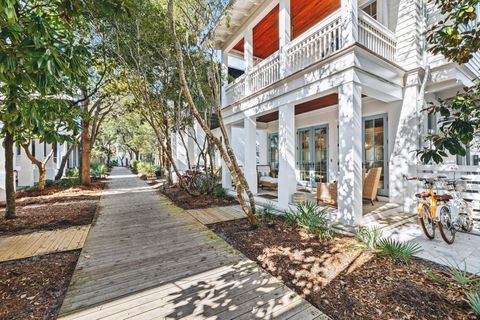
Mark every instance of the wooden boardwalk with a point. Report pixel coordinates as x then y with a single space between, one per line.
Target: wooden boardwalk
217 214
146 258
42 242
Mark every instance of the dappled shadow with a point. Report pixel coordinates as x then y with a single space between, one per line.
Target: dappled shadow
305 264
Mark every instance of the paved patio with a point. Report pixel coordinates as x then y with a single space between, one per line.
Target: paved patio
146 258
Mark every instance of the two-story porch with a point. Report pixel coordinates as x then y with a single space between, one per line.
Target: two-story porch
318 96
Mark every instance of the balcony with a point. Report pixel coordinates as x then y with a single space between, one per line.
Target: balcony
317 44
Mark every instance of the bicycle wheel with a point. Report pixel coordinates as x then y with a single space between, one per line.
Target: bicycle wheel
446 226
427 223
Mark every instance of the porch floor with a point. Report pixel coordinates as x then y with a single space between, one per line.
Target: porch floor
310 195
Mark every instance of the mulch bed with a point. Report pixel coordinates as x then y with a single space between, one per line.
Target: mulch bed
48 217
53 208
34 288
187 202
343 280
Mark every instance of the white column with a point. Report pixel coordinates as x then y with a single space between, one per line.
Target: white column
350 184
50 167
285 31
3 194
403 161
250 162
287 181
25 174
349 22
248 57
226 175
224 78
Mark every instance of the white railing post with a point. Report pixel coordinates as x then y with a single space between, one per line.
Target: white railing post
285 30
349 22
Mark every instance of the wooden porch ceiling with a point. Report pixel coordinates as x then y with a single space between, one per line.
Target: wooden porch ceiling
307 13
319 103
304 15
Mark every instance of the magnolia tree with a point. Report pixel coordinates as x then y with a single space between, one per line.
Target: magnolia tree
39 57
457 37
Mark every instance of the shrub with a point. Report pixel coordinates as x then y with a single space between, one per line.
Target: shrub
312 218
134 166
219 192
147 168
399 251
98 170
73 172
473 299
371 237
68 182
266 212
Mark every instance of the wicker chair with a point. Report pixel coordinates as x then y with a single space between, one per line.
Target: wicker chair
327 192
371 183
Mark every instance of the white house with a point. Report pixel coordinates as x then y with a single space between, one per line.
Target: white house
26 173
320 89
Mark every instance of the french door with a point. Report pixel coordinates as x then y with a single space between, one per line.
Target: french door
375 147
312 158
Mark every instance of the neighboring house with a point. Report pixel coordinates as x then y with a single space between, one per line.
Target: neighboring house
325 88
27 173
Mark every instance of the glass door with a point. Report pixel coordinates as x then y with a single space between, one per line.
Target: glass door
375 148
304 155
273 153
313 155
320 154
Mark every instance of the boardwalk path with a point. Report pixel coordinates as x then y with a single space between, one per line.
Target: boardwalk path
42 242
146 258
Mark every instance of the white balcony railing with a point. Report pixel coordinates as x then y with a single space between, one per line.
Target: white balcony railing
265 73
320 42
376 37
324 40
235 90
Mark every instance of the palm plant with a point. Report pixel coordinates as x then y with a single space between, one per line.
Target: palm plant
399 251
312 218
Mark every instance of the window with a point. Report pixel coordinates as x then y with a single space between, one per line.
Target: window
19 150
33 148
44 149
273 153
55 152
371 9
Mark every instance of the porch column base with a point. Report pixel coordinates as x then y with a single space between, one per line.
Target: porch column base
350 184
287 181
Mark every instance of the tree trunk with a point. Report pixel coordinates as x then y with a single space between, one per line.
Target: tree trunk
63 163
9 177
225 149
86 154
41 165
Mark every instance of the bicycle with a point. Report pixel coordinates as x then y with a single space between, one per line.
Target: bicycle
456 215
428 205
